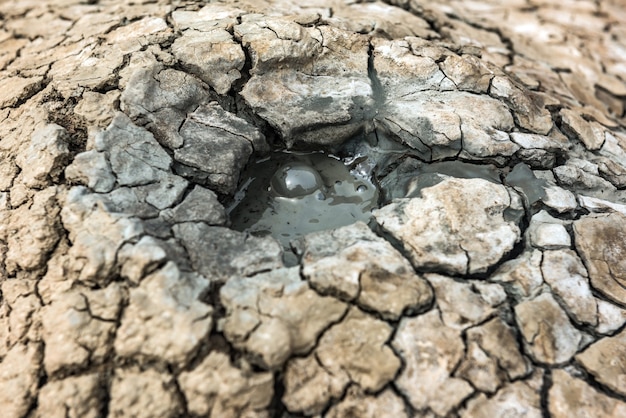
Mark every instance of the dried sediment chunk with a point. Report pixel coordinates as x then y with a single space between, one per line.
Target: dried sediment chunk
160 99
220 253
275 315
211 55
78 328
465 303
353 350
601 243
354 264
358 404
216 146
43 161
217 388
96 235
528 107
431 352
519 399
457 226
492 357
548 334
19 376
567 277
572 397
144 394
521 276
74 396
605 360
35 231
165 320
320 74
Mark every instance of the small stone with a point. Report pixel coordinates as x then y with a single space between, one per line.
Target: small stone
457 226
606 361
573 398
548 334
144 394
431 352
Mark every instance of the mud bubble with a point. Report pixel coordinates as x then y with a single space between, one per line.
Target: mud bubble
291 194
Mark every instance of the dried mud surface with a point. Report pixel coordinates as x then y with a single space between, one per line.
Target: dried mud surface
496 287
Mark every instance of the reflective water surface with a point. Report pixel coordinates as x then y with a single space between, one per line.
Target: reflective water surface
292 194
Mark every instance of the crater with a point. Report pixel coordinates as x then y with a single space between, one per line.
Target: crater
290 194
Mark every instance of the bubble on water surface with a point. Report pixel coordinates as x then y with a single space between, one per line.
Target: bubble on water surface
295 180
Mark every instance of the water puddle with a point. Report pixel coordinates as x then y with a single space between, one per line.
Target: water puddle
411 176
291 194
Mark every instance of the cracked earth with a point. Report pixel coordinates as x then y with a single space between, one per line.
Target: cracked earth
490 282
